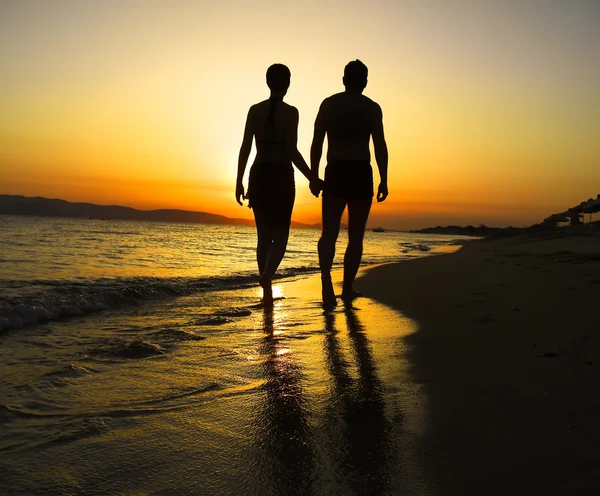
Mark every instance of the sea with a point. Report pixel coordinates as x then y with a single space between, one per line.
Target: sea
136 359
51 268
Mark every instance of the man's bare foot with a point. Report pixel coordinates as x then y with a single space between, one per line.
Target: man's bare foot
327 293
265 283
350 295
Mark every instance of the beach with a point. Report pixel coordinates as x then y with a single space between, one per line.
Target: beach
459 372
508 353
189 397
136 358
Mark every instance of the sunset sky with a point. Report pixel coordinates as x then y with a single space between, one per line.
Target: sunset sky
491 109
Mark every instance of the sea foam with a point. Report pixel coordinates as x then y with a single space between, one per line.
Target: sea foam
46 301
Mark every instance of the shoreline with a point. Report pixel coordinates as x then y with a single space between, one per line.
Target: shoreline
507 356
211 392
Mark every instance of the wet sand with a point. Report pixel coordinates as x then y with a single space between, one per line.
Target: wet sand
507 351
223 398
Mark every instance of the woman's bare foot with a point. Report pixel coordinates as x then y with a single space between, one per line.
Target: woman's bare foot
327 293
265 283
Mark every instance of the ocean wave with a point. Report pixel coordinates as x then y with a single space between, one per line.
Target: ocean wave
69 370
408 247
40 301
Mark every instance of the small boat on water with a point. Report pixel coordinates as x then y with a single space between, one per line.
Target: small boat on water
379 229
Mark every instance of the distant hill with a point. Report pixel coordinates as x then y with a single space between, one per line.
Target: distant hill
482 230
46 207
501 232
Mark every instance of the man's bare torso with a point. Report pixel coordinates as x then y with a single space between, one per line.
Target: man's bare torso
349 119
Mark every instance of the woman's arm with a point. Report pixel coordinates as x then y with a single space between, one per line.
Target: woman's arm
316 148
243 157
292 146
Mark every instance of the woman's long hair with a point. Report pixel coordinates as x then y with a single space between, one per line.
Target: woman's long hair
278 79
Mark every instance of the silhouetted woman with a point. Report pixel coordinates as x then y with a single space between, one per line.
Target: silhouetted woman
271 188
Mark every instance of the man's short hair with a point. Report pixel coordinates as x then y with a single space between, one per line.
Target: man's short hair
355 74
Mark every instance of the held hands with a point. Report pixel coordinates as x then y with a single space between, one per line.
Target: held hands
382 192
316 186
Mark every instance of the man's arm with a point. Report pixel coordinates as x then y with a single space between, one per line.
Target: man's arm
381 154
316 149
243 158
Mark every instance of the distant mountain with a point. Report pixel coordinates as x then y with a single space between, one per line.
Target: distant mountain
487 232
46 207
481 230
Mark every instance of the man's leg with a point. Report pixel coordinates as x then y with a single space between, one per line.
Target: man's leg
358 213
332 210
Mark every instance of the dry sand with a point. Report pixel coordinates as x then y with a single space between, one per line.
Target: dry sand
508 353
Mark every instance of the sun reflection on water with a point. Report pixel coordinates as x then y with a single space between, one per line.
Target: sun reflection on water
278 292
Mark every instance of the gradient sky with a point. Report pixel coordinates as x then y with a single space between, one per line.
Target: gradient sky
491 109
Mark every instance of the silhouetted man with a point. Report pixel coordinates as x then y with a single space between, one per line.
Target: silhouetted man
349 119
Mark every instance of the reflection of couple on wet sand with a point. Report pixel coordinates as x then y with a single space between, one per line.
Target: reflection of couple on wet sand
349 119
349 444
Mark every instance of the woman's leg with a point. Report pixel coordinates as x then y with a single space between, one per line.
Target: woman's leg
277 249
274 256
272 242
265 239
274 222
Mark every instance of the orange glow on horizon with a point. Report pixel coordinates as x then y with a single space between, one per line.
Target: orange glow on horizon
144 106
